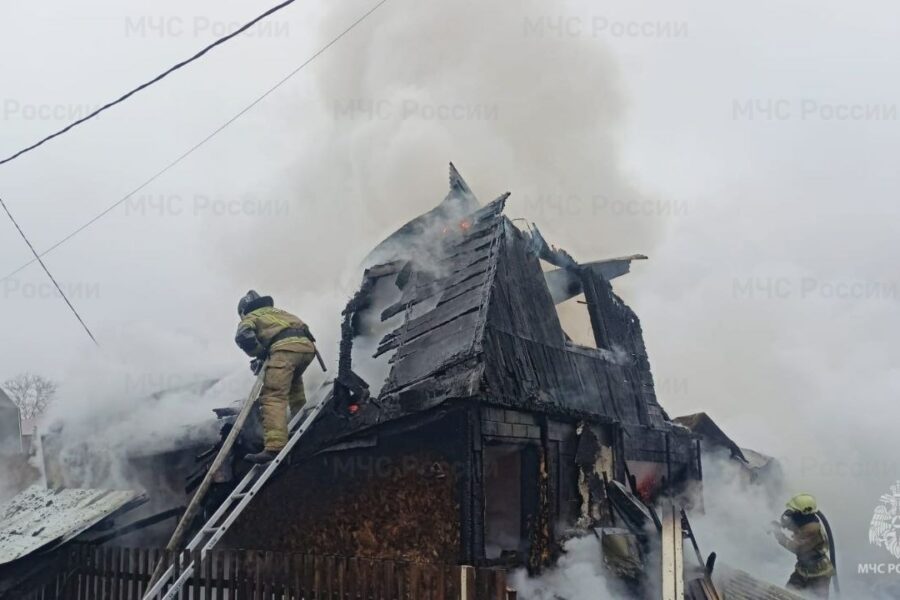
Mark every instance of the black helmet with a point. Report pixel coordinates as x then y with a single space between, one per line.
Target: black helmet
251 301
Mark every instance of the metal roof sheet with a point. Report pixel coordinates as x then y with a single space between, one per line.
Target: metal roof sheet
739 585
40 519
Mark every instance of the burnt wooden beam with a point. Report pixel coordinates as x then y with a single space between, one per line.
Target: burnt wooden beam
472 490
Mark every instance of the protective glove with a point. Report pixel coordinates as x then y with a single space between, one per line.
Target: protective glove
256 365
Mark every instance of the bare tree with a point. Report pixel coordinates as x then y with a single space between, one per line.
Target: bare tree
31 393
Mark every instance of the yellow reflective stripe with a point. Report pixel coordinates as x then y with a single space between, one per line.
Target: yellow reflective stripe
269 314
277 321
290 340
817 569
818 573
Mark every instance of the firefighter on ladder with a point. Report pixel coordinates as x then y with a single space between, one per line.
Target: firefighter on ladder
809 541
266 332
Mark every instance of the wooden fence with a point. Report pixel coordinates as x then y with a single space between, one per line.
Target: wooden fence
98 573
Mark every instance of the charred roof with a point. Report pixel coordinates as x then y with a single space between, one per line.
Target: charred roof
460 307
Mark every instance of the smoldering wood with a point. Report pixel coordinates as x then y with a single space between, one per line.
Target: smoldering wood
480 346
398 470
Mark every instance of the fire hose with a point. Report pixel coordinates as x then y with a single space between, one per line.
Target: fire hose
831 550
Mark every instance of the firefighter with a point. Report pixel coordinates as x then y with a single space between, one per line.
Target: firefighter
266 332
808 540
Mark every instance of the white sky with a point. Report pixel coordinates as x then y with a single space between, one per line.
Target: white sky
801 205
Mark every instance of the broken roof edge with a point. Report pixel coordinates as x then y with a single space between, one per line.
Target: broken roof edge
565 282
459 201
458 185
702 424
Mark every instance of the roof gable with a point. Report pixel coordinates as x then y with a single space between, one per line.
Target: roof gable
470 313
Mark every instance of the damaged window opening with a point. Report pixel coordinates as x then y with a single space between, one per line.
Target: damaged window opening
509 489
574 316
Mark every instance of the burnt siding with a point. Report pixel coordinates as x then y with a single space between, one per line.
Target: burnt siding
529 363
620 326
483 324
520 372
520 302
448 334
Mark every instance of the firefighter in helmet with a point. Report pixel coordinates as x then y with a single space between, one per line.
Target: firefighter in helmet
808 540
266 332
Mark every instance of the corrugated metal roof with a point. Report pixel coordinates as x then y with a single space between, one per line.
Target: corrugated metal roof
739 585
40 519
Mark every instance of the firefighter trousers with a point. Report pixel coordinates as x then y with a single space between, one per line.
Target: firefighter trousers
816 587
282 389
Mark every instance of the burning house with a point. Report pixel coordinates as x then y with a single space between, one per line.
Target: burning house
463 427
466 426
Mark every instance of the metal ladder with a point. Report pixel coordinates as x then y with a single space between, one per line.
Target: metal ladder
231 508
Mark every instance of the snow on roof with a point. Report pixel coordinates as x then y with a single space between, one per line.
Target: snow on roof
42 519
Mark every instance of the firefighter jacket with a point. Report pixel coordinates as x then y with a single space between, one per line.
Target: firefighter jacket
810 543
267 329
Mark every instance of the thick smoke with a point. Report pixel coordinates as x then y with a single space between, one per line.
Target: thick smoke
146 393
578 575
771 303
736 524
798 371
736 519
788 339
513 111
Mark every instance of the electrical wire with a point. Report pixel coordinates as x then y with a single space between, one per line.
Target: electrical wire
147 84
103 108
196 146
47 271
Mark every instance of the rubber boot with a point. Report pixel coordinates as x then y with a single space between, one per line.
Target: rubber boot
261 458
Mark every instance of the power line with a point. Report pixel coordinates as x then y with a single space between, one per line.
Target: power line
47 271
107 106
196 146
143 86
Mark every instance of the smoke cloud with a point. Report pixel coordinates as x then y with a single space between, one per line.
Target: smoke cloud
793 367
579 574
137 398
770 296
386 121
761 338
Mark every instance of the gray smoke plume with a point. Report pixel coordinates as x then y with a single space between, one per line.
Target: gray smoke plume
797 371
580 574
788 339
770 302
419 85
384 122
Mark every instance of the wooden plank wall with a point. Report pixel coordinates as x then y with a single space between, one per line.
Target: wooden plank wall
104 573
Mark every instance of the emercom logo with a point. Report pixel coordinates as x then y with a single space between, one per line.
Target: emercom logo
884 529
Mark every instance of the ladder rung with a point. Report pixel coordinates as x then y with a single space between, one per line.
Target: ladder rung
252 482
